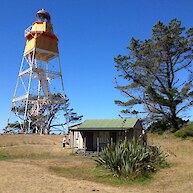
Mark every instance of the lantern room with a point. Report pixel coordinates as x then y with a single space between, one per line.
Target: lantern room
40 38
43 16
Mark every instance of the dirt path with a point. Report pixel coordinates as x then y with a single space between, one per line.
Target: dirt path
33 176
25 178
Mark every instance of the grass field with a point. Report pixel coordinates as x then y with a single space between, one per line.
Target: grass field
30 163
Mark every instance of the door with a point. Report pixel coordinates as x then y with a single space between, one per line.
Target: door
113 137
89 140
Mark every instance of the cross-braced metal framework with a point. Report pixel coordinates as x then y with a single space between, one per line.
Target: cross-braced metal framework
39 103
38 98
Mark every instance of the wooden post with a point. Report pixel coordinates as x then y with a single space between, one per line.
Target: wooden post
72 141
111 140
84 145
125 134
98 145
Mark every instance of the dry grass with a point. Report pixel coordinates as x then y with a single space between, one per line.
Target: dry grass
26 161
179 177
11 140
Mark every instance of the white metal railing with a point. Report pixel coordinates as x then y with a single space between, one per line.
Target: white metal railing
28 30
20 98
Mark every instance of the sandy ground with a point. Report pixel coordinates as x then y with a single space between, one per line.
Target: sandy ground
20 176
33 176
17 177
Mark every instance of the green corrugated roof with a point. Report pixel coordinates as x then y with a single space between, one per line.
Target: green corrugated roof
108 124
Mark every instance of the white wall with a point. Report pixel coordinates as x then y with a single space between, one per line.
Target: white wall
76 139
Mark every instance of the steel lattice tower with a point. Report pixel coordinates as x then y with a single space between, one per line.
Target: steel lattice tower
39 93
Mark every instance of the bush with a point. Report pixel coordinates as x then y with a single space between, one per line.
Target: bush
159 127
163 125
184 132
130 159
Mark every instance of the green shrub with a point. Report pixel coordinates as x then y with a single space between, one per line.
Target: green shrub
159 127
186 131
163 125
130 159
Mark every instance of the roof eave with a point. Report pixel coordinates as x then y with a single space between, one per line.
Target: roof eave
101 129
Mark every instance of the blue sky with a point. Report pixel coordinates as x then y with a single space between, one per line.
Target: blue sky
91 33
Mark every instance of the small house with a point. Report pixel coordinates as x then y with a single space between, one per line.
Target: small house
95 134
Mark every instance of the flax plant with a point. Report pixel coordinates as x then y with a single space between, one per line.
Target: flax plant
130 159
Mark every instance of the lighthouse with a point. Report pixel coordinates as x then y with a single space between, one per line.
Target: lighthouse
41 40
39 103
